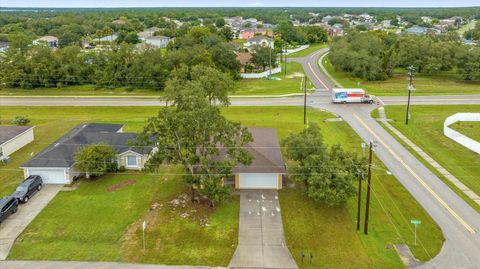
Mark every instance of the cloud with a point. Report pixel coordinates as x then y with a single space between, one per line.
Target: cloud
256 4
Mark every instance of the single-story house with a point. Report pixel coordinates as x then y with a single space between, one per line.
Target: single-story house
4 46
157 41
49 41
108 38
260 40
416 30
252 32
13 138
267 168
56 164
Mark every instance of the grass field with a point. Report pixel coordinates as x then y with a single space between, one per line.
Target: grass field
443 83
84 90
427 123
289 84
469 128
308 50
332 227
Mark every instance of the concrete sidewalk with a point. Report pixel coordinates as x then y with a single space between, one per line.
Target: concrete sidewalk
261 243
472 195
16 223
91 265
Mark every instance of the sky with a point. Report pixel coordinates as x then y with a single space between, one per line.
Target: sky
238 3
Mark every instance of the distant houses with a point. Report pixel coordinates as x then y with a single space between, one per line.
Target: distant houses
108 38
49 41
251 32
157 41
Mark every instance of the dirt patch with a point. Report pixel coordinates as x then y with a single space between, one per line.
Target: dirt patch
295 75
121 185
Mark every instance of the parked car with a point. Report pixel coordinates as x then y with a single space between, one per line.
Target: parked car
8 206
28 188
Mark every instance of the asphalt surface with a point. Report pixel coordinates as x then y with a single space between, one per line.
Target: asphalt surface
260 101
459 222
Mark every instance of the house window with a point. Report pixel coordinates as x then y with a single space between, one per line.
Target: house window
132 161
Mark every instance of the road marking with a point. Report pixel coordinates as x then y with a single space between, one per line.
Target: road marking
318 78
454 214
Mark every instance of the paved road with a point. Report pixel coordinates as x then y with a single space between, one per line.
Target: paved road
16 223
281 101
459 222
261 243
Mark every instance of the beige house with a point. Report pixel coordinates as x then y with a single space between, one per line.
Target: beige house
13 138
56 164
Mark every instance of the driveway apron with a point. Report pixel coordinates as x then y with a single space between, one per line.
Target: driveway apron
261 243
14 225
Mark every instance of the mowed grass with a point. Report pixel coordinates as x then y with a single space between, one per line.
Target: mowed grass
289 84
469 128
83 90
442 83
91 224
308 51
425 129
73 227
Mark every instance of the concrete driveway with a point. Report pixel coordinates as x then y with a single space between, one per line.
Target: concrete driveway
261 243
11 228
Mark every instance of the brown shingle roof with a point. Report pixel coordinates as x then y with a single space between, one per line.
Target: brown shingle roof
244 57
266 153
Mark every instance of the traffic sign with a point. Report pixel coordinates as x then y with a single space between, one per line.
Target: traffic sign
416 222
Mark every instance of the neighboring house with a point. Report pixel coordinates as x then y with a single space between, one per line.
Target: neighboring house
416 30
157 41
13 138
148 32
108 38
244 58
4 46
119 22
87 45
262 41
56 164
267 168
252 32
49 41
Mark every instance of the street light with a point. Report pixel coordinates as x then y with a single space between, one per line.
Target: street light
411 88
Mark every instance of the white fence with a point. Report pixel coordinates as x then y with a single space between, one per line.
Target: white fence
265 74
302 47
458 137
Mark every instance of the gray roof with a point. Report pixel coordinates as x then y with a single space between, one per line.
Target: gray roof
61 152
259 38
266 153
10 132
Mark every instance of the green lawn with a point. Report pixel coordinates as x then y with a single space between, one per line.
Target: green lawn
289 84
469 128
443 83
427 123
86 230
83 90
308 50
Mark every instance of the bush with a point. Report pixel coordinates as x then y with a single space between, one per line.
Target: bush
21 120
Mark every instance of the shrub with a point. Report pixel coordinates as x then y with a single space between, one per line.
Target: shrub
21 120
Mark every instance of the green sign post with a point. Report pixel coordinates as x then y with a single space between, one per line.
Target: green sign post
416 223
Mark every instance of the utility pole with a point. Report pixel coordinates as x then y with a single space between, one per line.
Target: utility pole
369 181
285 69
410 89
270 73
304 99
359 201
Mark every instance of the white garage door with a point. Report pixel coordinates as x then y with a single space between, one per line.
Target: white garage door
49 176
258 181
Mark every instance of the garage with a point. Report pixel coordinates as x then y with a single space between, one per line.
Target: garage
49 176
258 181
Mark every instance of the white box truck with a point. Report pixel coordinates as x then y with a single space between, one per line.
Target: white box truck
343 96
